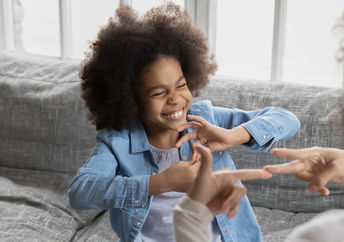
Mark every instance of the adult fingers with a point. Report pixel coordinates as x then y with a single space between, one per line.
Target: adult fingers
323 190
207 158
231 213
322 178
186 138
250 174
289 167
235 197
292 154
304 175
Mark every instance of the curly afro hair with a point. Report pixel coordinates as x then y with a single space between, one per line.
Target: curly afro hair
111 72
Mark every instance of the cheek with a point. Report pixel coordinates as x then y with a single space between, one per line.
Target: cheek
187 95
155 107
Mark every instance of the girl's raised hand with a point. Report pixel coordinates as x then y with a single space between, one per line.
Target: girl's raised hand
214 137
314 165
180 176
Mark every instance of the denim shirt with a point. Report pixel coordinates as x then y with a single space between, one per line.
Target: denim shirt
116 176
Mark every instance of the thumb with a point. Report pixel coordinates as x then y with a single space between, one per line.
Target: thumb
207 158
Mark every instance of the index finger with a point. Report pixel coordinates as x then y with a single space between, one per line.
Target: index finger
292 154
192 124
186 138
285 168
199 119
250 174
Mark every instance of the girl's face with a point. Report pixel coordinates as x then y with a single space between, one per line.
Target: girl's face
163 97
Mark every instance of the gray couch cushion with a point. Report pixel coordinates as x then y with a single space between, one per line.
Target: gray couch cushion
276 225
43 122
34 206
319 110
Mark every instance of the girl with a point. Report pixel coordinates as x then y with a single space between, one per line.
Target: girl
137 83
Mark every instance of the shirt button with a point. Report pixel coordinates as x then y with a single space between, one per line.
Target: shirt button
135 213
138 223
220 153
185 157
264 136
136 201
225 230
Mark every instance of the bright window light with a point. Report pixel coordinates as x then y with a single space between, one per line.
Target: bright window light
244 38
40 25
310 53
88 16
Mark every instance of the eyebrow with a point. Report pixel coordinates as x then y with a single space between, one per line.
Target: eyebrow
164 86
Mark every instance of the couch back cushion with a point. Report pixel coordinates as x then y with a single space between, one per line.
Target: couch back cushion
320 111
44 126
43 122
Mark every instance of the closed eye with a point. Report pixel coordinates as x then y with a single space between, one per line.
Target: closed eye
180 86
157 94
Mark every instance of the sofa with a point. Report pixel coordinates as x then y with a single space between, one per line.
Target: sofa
46 137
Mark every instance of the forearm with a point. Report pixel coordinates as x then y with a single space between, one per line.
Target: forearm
158 184
191 221
272 126
237 136
91 191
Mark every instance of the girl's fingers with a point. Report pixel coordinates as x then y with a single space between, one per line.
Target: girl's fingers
285 168
186 138
207 159
198 119
188 125
195 154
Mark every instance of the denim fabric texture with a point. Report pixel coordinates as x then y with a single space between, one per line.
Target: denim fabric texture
116 176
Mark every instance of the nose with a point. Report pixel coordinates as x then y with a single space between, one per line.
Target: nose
172 98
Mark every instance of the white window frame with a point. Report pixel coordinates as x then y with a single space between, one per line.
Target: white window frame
65 28
6 25
202 13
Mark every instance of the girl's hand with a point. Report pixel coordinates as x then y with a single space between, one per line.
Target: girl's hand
315 165
180 176
214 137
219 189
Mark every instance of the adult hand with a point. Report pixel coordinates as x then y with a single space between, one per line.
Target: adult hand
314 165
218 189
214 137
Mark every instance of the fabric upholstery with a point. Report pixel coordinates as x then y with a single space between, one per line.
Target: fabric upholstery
46 137
320 111
34 206
43 122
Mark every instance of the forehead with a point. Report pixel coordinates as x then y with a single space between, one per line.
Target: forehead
165 71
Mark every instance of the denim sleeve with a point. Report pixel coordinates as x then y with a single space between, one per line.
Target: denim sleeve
98 186
266 126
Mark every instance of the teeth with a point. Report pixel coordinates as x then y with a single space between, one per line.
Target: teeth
176 114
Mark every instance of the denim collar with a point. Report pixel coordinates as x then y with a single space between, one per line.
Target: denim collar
138 139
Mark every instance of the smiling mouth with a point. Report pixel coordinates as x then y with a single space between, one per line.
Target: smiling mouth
174 115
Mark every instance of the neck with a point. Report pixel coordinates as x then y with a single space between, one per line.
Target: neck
163 140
